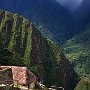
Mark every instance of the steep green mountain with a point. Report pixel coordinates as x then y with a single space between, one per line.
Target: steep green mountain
78 51
22 44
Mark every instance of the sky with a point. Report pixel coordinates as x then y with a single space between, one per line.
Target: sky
72 5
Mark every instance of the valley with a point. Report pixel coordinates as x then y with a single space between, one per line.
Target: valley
46 36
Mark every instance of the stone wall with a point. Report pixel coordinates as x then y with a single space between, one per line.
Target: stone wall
6 76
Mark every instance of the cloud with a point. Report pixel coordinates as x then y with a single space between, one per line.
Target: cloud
70 4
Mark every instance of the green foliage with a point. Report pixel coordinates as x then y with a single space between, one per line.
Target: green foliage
36 69
55 66
28 48
24 23
12 40
54 51
16 31
5 57
84 84
53 59
2 24
77 50
17 60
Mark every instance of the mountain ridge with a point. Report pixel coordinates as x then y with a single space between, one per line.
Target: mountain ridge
49 17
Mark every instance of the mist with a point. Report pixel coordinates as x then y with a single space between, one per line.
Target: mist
72 5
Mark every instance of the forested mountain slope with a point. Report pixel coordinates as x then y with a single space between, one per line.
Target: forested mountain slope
78 51
21 44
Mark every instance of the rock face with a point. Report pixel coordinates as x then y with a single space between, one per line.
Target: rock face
23 45
39 47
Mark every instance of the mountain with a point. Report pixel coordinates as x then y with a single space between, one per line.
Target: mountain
52 19
22 44
77 50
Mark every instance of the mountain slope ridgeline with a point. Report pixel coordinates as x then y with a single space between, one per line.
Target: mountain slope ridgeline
21 44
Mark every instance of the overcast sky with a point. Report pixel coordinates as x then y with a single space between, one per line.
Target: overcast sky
71 4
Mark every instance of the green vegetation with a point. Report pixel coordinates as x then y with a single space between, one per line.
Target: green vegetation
53 59
15 31
21 44
58 68
77 50
28 48
84 84
12 40
7 57
24 23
